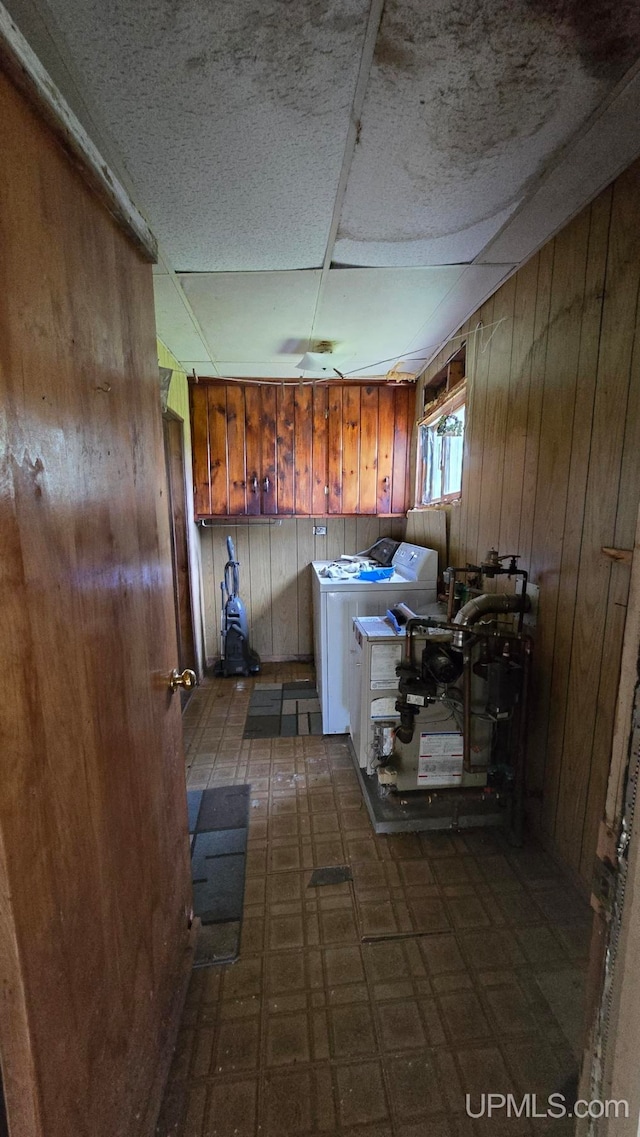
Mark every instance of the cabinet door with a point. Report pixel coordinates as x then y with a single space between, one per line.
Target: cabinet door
285 448
253 449
218 472
269 451
369 436
236 451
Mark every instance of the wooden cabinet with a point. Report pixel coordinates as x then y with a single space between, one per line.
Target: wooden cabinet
287 449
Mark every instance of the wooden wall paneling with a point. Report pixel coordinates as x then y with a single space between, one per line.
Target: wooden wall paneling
553 468
253 447
428 527
219 557
582 417
453 542
210 596
304 556
334 461
398 529
403 404
616 346
320 451
260 570
350 535
285 423
269 485
236 456
458 554
284 588
319 542
518 398
369 530
218 458
243 555
474 447
351 448
335 537
201 457
303 435
386 432
496 343
534 406
368 501
625 531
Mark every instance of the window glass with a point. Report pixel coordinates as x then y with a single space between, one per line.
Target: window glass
441 450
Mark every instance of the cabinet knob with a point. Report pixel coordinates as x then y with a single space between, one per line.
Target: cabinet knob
254 484
266 485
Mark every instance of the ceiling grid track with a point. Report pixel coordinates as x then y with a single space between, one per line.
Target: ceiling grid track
353 132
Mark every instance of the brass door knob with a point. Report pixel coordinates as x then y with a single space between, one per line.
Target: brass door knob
186 679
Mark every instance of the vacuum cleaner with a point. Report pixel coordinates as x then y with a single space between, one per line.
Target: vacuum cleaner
237 657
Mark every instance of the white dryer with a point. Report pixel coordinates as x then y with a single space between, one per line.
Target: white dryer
340 593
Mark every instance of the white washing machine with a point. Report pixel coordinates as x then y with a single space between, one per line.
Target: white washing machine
340 594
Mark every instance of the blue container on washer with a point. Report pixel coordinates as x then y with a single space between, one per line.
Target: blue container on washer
375 574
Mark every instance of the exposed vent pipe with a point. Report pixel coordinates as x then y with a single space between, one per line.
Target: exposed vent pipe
483 605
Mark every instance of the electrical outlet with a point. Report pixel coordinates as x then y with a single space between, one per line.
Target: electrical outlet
319 530
533 592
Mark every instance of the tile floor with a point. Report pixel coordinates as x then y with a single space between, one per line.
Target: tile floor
319 1031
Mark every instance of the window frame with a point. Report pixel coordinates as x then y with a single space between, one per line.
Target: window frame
449 404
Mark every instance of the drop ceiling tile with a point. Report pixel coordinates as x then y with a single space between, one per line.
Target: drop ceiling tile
465 107
257 316
607 147
173 322
373 314
474 286
231 118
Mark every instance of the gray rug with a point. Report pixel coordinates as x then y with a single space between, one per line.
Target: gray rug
218 826
283 710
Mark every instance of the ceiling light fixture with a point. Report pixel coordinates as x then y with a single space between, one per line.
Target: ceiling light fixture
321 361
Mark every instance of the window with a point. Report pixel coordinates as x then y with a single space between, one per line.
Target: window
440 451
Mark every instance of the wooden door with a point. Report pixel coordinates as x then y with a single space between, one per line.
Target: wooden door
174 461
94 868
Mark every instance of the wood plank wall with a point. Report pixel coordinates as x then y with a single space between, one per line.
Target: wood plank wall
552 471
275 577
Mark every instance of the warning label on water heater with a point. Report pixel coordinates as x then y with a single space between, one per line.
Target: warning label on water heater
440 759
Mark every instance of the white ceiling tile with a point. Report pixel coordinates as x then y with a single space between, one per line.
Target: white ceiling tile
608 146
232 118
258 316
466 104
173 323
475 284
454 248
373 314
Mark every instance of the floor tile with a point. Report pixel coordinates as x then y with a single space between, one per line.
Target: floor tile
450 963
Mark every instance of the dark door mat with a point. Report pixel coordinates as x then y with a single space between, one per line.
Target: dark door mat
218 825
283 710
333 874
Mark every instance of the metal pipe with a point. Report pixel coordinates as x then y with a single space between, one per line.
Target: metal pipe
481 606
466 706
517 819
